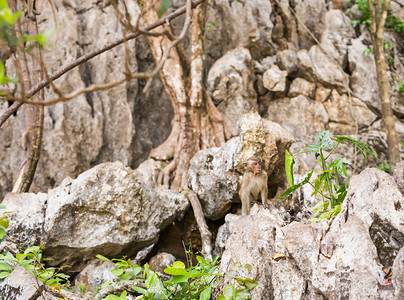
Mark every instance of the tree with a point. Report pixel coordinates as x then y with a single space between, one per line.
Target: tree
197 123
29 90
378 13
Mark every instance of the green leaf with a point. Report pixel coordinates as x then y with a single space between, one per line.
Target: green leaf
325 216
102 257
205 294
178 279
229 291
295 187
117 272
178 268
320 207
242 294
3 4
336 210
362 147
324 139
165 4
289 162
2 206
313 147
248 283
4 222
33 249
314 220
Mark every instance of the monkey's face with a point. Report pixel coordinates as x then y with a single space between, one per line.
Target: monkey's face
256 167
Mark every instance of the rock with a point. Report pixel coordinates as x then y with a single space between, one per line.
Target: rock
20 285
341 110
398 275
368 234
83 132
274 79
161 261
94 275
214 173
363 79
303 87
337 35
230 84
318 67
398 176
309 117
223 234
253 30
311 13
107 210
252 242
287 60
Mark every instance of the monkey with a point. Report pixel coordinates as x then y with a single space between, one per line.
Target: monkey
253 184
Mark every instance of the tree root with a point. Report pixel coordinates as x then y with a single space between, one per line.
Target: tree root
206 235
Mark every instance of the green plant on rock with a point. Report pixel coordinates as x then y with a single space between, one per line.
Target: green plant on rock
327 184
194 282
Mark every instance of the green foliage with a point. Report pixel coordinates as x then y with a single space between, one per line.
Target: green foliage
194 282
327 182
165 4
400 86
31 260
384 167
392 22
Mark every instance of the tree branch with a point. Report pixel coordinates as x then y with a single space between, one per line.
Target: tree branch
63 70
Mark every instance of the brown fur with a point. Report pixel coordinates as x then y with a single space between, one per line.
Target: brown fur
253 184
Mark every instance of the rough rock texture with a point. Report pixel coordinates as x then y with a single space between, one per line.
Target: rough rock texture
20 285
96 127
161 261
398 275
214 173
342 259
94 275
252 243
107 210
274 79
230 83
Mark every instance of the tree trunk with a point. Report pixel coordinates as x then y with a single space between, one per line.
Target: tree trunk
197 123
378 13
34 114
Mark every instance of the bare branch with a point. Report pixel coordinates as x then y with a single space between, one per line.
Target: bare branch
63 70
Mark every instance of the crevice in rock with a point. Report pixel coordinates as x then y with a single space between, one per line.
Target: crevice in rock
387 239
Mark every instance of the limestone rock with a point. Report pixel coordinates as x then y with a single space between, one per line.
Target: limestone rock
399 176
95 274
340 110
398 275
274 79
311 13
287 60
20 285
252 242
303 87
309 117
161 261
214 173
316 66
107 210
230 84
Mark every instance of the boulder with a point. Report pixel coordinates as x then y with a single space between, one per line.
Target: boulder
107 210
214 173
230 84
274 79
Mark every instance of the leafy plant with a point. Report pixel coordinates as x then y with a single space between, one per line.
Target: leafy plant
194 282
327 184
400 86
392 22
